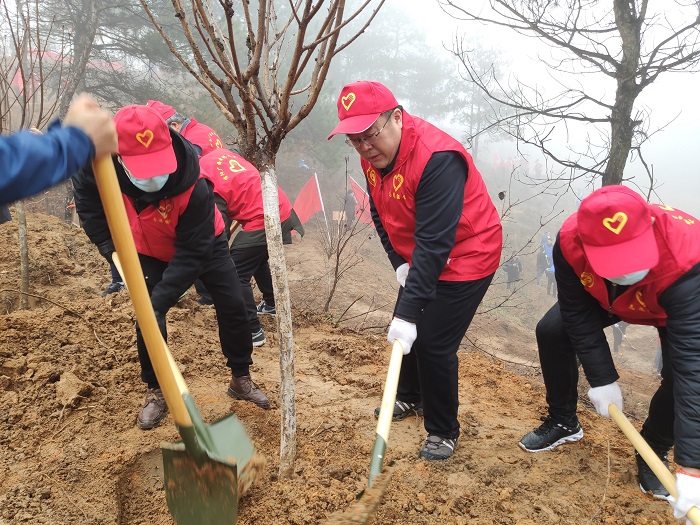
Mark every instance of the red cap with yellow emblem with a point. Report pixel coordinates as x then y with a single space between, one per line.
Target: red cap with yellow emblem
616 228
360 104
145 145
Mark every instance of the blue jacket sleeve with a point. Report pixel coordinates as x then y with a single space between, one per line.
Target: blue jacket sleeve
31 163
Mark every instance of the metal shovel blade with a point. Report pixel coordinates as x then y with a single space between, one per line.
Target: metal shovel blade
202 486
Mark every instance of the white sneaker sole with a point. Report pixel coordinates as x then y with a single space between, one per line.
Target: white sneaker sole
567 439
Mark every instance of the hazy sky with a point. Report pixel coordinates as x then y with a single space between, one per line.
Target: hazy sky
674 152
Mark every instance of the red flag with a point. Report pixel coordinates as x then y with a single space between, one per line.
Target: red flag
362 211
308 201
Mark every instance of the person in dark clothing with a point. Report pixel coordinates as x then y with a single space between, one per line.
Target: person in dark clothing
551 281
513 268
238 194
541 265
179 236
30 163
442 235
621 258
619 330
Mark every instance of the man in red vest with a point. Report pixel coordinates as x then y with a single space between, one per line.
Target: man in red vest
442 234
201 135
179 236
621 258
238 194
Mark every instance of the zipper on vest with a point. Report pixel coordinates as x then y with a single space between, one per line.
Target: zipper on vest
613 296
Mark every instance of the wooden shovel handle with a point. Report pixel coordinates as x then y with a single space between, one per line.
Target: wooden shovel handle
655 464
386 412
126 259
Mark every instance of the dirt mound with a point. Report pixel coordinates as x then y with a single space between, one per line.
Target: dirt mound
70 452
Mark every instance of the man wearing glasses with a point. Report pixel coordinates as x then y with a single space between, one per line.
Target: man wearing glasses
179 236
442 235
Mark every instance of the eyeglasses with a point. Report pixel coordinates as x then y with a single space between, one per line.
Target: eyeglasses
368 139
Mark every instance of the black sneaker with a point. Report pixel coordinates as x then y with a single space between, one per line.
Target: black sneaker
205 302
401 410
436 448
259 338
113 288
266 309
648 482
549 435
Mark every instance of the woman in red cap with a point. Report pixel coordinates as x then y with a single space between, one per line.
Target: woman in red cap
621 258
179 236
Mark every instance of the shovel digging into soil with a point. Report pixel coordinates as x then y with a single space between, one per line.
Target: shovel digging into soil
650 457
362 511
214 463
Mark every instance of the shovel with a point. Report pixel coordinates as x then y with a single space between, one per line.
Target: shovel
648 455
204 472
360 512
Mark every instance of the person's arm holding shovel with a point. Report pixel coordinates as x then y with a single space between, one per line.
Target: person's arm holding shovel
30 163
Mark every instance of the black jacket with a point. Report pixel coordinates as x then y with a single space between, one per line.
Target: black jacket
195 228
584 319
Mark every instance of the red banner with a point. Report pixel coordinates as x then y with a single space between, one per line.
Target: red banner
362 211
308 202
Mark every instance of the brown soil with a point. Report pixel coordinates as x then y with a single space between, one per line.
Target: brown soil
70 452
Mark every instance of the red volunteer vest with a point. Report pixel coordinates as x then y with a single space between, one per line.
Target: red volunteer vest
154 228
477 249
237 181
202 135
678 238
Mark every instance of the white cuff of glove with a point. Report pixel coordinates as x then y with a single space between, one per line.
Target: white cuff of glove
403 332
688 488
402 274
602 396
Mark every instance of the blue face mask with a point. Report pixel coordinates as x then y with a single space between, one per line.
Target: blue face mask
630 278
151 185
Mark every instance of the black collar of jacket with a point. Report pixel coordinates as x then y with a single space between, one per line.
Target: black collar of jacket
183 178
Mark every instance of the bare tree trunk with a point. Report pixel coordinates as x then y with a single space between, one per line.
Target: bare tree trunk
278 269
23 255
621 123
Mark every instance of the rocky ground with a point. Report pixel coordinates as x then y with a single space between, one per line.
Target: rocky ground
70 452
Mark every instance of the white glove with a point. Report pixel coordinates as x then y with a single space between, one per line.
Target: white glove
404 332
688 487
402 273
602 396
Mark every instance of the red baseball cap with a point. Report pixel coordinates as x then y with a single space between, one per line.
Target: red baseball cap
360 104
165 111
616 228
145 145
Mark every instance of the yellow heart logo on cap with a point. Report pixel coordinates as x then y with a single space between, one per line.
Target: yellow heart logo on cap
620 218
145 138
348 100
398 181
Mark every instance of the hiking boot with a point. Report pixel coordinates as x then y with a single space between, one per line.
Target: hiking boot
436 448
113 288
549 435
153 410
266 309
648 482
402 410
244 388
259 338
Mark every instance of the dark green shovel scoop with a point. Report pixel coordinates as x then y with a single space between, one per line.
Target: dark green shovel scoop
214 463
